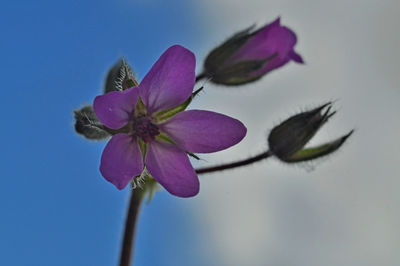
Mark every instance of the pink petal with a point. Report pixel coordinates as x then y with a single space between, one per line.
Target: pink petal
170 81
121 160
114 108
204 131
171 167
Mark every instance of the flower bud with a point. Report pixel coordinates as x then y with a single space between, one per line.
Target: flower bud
120 77
287 140
250 54
87 124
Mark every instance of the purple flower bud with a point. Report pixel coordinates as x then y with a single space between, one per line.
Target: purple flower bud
249 54
287 140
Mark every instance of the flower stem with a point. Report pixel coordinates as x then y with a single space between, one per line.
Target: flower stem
136 199
200 76
130 226
240 163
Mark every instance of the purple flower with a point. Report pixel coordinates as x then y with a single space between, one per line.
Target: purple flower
161 145
249 55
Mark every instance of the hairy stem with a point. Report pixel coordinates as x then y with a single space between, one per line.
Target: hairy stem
130 228
240 163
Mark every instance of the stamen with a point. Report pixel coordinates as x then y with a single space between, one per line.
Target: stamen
143 128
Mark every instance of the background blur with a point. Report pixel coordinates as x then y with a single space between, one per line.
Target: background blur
56 209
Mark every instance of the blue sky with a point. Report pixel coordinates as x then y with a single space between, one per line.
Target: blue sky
56 207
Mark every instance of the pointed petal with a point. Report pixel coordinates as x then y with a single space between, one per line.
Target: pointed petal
265 42
171 167
204 131
296 57
121 160
114 108
272 39
170 81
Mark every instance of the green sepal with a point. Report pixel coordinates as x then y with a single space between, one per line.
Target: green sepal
88 125
152 187
163 116
140 108
319 151
241 72
217 57
144 184
143 147
294 133
165 138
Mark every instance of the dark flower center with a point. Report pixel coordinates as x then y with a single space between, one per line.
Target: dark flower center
143 128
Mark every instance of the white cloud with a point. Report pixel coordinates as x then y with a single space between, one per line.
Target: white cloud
346 211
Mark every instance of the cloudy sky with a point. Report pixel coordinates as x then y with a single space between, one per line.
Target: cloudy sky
342 210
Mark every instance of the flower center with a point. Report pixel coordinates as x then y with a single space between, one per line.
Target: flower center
143 128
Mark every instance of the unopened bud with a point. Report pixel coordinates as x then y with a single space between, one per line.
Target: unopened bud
87 124
120 77
250 54
287 140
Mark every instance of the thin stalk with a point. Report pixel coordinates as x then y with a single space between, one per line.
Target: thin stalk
136 199
130 228
232 165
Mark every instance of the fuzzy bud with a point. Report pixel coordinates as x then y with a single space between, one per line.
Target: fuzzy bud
287 140
120 77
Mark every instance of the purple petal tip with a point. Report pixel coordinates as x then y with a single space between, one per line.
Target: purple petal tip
296 57
275 23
